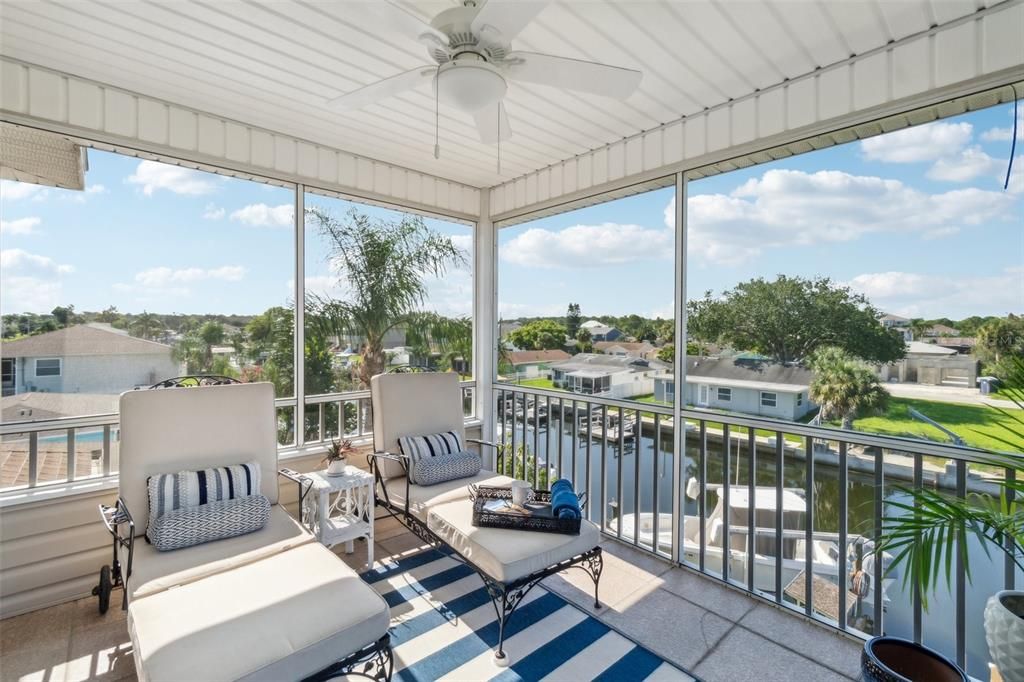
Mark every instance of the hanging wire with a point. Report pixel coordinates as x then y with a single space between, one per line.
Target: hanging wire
437 113
1013 139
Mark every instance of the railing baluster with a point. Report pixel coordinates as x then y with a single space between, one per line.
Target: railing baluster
916 596
961 578
575 444
106 450
499 454
536 440
809 532
751 506
780 470
586 469
33 459
604 455
702 499
843 511
656 539
619 492
876 578
72 454
513 430
526 423
547 440
637 433
1009 567
321 415
561 438
726 537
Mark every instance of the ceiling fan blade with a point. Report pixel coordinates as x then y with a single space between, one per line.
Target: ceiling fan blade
573 74
507 17
382 89
491 121
405 22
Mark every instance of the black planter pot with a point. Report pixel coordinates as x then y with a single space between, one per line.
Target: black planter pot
892 659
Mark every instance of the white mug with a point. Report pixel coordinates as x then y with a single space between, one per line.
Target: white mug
521 493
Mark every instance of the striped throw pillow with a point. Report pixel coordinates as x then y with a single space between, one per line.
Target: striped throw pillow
184 489
418 448
208 522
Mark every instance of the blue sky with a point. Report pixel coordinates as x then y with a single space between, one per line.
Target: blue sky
917 220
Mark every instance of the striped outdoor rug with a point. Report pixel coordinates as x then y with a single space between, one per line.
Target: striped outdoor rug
443 626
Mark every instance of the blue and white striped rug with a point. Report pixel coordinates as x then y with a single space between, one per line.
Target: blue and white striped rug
443 626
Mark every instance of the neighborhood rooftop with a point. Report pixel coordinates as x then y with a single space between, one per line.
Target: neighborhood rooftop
80 339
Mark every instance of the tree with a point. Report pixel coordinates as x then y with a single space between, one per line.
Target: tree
384 265
845 387
667 353
147 325
573 319
1000 338
790 317
63 315
918 328
584 341
109 315
538 335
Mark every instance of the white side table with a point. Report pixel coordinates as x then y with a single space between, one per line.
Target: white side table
340 508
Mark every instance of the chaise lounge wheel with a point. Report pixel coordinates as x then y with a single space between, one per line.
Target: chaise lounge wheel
103 589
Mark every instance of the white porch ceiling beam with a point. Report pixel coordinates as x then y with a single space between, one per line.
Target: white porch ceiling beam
111 118
964 56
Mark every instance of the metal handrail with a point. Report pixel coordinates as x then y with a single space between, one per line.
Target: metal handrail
831 433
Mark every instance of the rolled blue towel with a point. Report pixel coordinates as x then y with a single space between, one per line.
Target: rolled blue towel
564 502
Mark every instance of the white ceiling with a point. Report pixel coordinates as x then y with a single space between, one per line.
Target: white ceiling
274 64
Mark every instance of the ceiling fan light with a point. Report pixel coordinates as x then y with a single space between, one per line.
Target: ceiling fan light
469 87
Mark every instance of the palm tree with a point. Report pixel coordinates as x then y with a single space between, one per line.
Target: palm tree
146 325
844 387
383 265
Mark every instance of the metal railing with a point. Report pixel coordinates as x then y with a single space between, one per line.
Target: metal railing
768 505
67 449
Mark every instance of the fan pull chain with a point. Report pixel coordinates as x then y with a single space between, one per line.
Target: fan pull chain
499 138
437 114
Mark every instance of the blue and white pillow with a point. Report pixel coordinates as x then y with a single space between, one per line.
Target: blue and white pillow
448 467
190 526
419 448
168 492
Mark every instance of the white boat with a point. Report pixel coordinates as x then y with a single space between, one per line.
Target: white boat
824 548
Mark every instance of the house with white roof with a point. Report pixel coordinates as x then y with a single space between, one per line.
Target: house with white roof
599 331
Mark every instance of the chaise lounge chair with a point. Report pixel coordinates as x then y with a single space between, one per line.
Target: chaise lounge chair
272 604
510 562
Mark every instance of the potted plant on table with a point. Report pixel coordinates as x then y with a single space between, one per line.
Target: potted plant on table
337 456
935 525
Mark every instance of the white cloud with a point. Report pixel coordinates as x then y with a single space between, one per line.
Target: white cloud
588 246
792 208
464 242
19 226
16 259
213 212
262 215
30 282
13 191
926 142
508 310
968 164
153 176
919 295
1000 134
164 276
96 189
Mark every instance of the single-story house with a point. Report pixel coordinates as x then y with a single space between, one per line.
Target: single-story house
599 331
941 330
932 364
961 344
756 387
612 376
642 350
530 364
84 359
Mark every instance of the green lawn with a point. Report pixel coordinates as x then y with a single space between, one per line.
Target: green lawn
538 383
978 425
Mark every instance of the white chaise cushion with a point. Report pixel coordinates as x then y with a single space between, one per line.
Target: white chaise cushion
281 618
424 497
506 554
154 571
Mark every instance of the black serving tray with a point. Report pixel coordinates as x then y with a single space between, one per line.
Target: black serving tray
537 517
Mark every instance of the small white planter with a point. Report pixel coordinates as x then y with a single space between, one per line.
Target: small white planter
336 467
1004 631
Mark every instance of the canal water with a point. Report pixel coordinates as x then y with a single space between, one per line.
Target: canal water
938 622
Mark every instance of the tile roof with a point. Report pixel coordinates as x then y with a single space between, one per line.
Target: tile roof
524 357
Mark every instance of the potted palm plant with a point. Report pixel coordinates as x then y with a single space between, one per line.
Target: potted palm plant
932 524
337 456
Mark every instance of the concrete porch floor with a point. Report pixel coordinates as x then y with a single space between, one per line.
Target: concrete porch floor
712 631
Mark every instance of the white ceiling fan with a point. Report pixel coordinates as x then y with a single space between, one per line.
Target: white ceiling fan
474 62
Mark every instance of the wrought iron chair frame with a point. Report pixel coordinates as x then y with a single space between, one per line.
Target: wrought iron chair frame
505 596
